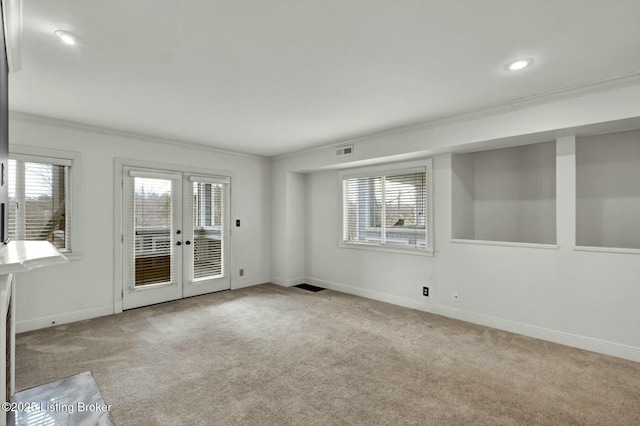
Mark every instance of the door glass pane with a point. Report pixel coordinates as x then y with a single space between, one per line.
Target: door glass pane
208 230
152 220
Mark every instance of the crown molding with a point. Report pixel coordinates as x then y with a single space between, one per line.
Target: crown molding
513 105
56 122
577 91
12 20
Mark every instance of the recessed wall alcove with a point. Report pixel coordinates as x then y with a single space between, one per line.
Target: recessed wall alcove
608 190
505 195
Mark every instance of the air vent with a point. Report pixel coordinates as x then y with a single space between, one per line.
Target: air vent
345 150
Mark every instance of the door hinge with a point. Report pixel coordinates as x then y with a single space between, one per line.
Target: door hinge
122 293
122 238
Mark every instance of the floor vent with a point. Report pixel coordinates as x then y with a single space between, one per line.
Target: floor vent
309 287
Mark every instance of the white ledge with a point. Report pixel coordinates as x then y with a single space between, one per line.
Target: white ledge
608 249
505 243
387 248
23 256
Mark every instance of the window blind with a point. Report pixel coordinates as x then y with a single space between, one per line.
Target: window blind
208 229
39 198
385 210
151 221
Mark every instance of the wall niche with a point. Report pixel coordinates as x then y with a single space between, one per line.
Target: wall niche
608 190
505 195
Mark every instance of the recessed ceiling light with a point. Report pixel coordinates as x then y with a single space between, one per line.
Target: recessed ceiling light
67 37
518 64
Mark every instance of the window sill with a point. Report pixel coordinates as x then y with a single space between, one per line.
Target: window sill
388 249
73 256
505 243
607 249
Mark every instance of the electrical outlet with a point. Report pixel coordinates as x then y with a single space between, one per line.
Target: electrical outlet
425 291
241 273
454 296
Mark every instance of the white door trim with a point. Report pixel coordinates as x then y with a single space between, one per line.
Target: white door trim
120 164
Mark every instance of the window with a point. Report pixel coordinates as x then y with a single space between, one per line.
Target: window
40 199
387 208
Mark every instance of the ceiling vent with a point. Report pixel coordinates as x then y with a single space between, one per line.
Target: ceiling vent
344 150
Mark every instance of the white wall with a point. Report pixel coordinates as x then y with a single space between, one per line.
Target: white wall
85 288
464 194
287 228
608 185
584 299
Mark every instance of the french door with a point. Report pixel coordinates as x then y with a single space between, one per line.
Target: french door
175 236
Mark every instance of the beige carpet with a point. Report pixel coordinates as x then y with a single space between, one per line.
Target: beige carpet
268 355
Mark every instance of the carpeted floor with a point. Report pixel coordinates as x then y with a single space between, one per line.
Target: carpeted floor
269 355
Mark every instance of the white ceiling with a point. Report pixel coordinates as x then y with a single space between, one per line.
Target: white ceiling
270 77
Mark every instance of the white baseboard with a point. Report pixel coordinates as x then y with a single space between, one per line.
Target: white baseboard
247 282
53 320
582 342
287 283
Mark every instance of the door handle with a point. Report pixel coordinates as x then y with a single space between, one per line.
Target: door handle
187 242
179 243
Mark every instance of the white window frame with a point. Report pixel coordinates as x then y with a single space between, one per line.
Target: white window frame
426 166
51 156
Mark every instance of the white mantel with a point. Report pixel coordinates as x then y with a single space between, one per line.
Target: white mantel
17 257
